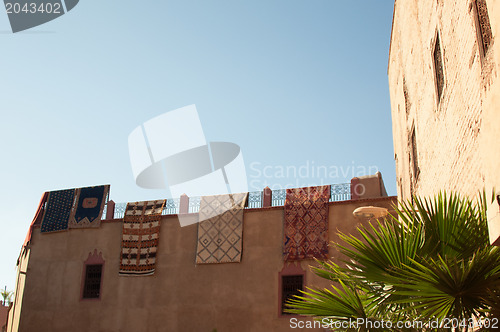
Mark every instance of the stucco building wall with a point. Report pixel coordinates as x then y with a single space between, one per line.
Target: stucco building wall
180 296
456 137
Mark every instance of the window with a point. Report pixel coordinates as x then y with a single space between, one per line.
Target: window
92 287
292 285
483 27
291 281
438 67
407 98
93 269
400 185
414 155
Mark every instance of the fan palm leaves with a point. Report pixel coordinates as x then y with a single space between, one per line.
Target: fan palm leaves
430 261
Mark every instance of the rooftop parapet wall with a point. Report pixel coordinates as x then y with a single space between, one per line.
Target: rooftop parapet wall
370 186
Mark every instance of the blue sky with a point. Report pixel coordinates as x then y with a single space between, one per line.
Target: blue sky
293 83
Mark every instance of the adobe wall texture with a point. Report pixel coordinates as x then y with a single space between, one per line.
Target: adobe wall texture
456 137
180 296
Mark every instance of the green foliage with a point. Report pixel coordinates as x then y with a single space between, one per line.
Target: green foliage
431 260
7 296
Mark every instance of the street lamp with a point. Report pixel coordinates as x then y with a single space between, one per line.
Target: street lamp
370 212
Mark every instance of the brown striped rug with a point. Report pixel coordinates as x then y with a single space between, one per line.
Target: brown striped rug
141 232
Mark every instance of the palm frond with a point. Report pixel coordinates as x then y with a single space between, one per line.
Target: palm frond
342 303
453 287
430 260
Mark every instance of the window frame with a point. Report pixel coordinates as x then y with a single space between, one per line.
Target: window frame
412 146
480 32
289 270
437 41
93 259
406 96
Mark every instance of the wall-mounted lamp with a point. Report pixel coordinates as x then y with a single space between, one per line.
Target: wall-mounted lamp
370 212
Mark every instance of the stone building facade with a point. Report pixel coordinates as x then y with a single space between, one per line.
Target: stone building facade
444 88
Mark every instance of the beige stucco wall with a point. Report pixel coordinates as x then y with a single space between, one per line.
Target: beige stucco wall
490 135
455 138
180 296
14 314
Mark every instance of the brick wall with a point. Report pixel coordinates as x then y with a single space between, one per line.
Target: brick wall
448 132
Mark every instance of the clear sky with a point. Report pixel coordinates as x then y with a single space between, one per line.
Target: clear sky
293 83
